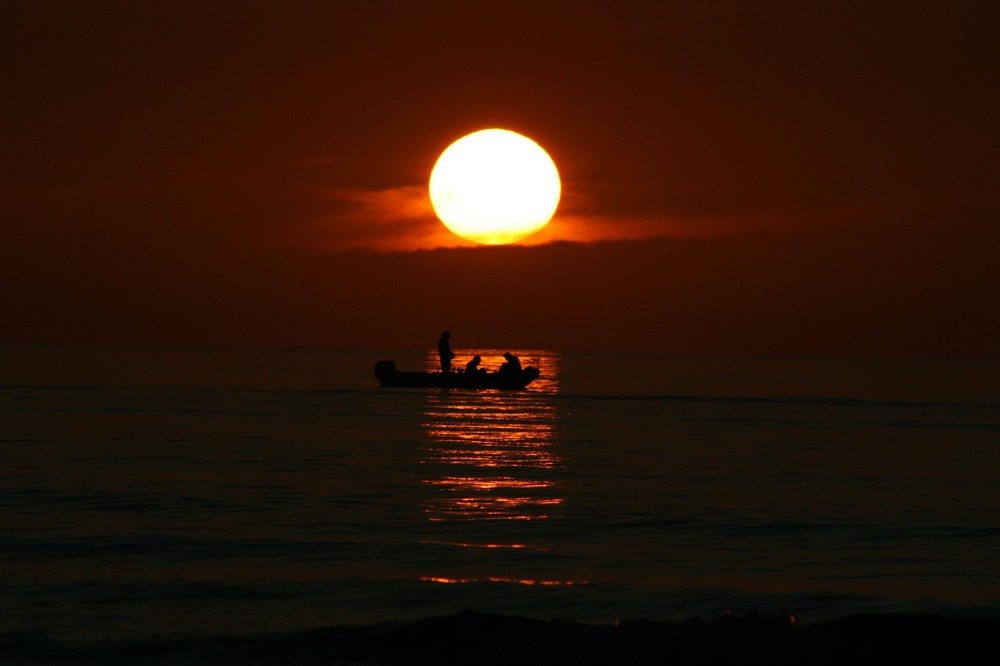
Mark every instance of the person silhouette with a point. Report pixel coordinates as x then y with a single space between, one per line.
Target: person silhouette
512 366
445 353
472 367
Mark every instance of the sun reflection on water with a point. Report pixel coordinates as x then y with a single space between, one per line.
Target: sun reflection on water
489 454
500 579
490 468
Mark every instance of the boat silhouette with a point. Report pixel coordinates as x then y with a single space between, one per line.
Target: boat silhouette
508 379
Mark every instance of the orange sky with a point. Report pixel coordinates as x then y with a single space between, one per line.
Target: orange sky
750 179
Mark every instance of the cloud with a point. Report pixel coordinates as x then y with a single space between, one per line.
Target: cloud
401 219
393 219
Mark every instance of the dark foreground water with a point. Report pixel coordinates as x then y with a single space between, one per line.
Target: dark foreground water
166 501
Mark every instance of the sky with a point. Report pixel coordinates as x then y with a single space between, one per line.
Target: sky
738 178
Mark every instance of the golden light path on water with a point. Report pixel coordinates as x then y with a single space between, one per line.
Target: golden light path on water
489 458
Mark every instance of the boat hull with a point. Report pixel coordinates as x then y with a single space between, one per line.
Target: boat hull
387 375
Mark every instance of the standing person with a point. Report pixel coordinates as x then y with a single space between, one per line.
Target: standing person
445 353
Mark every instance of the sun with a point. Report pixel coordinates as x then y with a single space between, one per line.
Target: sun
495 187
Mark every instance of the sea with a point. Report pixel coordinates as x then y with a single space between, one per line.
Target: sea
169 494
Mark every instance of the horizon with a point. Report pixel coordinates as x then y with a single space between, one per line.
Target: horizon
467 350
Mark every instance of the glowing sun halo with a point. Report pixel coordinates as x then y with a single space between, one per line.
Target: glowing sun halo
494 187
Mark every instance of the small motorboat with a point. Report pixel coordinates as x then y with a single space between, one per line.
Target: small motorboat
505 378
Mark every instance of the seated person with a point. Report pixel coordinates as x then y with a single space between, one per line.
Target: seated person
513 364
473 365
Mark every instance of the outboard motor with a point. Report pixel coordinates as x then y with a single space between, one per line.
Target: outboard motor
384 369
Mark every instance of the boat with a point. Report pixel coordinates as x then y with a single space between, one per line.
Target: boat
388 375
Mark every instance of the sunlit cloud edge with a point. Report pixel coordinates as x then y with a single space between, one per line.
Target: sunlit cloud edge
401 219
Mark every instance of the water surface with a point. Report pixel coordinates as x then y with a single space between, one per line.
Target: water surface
155 492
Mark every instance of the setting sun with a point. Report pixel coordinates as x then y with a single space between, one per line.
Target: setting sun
494 187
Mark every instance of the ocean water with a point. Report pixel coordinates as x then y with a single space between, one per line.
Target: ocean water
149 493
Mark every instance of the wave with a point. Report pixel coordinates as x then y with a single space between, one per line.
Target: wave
470 637
805 401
